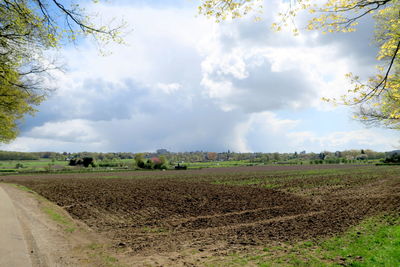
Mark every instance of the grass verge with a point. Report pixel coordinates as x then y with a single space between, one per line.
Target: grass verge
374 242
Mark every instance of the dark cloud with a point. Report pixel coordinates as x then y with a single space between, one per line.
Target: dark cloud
358 45
90 100
130 117
264 89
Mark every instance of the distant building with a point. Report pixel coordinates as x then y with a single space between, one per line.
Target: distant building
162 151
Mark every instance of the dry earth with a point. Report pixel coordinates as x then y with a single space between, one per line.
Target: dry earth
51 243
178 222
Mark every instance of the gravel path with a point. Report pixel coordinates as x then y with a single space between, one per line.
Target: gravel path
13 248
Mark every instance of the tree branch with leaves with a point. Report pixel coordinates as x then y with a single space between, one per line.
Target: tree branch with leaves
28 28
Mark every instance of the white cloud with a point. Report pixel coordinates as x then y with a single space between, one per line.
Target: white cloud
31 144
168 88
240 74
365 138
255 133
67 131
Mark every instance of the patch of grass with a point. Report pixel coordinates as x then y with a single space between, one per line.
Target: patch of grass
270 186
70 229
94 246
31 163
375 242
106 260
109 259
233 260
23 188
57 217
99 254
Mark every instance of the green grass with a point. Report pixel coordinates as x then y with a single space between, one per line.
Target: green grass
8 167
31 163
23 188
216 164
57 217
94 246
375 242
99 252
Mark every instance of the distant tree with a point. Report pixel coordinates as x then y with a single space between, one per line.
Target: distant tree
164 162
276 156
72 162
11 155
149 164
362 157
393 157
87 161
338 154
19 165
264 158
156 163
139 160
211 156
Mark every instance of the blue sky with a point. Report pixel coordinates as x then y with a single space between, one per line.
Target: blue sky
185 83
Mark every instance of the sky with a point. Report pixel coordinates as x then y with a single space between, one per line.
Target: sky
184 83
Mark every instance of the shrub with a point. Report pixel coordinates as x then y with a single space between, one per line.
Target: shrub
393 157
19 165
86 162
180 167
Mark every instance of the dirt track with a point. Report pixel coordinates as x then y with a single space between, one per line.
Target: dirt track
163 214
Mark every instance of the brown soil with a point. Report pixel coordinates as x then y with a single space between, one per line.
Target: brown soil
148 216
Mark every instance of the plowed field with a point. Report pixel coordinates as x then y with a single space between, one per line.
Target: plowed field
161 211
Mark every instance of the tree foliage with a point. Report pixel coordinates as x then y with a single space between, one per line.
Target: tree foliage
27 29
378 98
224 9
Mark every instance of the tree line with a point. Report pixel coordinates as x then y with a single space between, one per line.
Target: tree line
196 156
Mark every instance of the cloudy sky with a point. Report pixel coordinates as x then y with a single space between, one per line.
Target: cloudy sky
184 83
